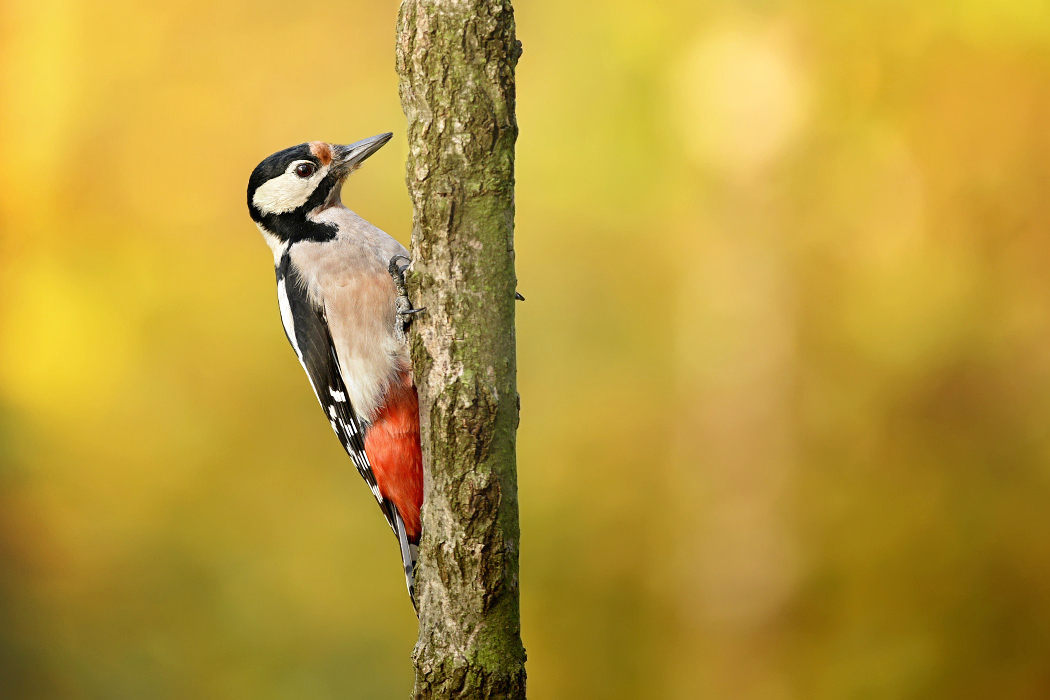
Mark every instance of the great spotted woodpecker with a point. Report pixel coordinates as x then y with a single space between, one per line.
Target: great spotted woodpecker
340 289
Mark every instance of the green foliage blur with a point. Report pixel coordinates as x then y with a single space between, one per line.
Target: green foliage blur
784 363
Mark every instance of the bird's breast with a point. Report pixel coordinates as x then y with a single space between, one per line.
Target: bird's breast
357 297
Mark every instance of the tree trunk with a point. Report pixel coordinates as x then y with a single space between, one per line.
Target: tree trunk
456 61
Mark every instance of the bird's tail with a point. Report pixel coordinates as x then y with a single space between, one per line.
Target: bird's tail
409 555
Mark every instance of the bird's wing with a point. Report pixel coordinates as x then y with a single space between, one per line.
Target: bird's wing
307 330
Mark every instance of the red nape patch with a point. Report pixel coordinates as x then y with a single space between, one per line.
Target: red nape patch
392 446
322 151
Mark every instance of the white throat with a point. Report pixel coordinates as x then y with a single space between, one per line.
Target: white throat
278 246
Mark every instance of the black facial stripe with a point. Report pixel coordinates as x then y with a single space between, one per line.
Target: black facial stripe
294 227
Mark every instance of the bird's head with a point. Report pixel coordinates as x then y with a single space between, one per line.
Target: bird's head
291 185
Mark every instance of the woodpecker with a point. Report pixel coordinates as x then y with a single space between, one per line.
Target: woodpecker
340 290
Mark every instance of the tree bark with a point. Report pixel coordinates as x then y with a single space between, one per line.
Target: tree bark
456 61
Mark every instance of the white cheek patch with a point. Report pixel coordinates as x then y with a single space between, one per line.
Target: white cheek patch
286 192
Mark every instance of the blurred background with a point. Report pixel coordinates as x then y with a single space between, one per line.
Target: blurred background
784 363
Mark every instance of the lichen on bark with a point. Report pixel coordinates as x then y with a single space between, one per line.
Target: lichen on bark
456 60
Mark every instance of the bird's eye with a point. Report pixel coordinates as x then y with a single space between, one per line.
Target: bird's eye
305 169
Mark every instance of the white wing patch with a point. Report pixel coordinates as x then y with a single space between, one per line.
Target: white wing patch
286 319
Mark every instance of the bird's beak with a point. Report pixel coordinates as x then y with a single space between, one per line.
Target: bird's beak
348 158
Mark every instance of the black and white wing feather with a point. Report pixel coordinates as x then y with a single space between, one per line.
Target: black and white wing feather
308 332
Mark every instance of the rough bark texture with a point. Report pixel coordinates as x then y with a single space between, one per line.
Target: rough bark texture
456 61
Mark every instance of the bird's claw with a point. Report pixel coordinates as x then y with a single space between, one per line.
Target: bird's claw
402 305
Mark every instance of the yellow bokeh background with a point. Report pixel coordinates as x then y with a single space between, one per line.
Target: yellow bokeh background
784 363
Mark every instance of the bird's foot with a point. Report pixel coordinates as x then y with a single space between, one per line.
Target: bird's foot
403 307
